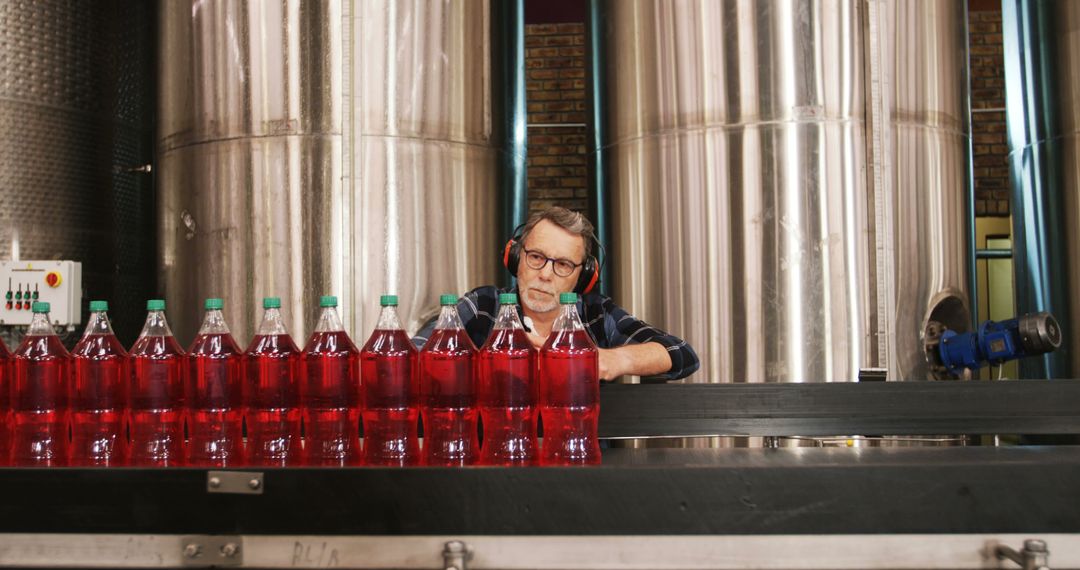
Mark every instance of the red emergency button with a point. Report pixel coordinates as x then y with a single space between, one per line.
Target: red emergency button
52 279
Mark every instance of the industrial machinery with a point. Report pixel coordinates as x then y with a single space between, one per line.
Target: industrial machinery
957 354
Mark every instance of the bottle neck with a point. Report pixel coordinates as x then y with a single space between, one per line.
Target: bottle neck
449 319
99 324
40 325
329 321
567 320
388 319
272 324
508 318
156 325
214 323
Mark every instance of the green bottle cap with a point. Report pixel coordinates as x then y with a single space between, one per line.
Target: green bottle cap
155 305
271 302
214 303
448 299
567 298
388 300
40 307
99 306
328 301
507 298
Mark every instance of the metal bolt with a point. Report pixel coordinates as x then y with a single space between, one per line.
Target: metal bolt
192 551
215 482
455 547
230 550
1035 545
254 484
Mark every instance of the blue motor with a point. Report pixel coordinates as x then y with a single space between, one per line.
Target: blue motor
996 343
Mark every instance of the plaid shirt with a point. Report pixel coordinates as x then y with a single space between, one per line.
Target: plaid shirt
608 324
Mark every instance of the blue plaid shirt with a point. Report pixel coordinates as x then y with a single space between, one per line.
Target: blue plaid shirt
608 324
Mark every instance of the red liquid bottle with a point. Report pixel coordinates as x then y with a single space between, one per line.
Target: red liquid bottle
569 390
96 395
272 392
330 392
391 390
508 391
448 391
39 422
5 403
155 395
214 394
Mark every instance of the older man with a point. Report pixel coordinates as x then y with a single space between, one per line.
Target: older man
554 255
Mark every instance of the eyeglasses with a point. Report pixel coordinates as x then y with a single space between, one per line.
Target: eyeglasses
561 267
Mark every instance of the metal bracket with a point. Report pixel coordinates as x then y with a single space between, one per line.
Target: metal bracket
455 555
1034 555
238 482
202 551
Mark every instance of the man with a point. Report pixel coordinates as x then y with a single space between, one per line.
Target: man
554 249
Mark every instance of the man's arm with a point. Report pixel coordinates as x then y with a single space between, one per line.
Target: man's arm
648 359
635 347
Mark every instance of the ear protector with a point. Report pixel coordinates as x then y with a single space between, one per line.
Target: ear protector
590 269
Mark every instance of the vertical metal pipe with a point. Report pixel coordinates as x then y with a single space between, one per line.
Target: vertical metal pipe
969 173
597 96
1042 49
509 55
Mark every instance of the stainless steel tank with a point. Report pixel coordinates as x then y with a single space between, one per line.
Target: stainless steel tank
1042 55
767 204
76 109
306 149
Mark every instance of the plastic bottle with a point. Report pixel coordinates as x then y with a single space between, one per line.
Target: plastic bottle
448 391
5 403
214 394
272 392
96 394
569 390
155 395
330 393
39 414
508 391
391 390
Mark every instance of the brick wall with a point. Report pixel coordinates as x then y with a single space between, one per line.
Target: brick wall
555 96
988 114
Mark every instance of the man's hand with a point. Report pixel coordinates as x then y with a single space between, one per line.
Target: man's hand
612 363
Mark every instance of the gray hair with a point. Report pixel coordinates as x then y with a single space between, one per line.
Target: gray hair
569 220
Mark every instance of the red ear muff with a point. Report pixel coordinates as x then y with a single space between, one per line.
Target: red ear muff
510 257
590 274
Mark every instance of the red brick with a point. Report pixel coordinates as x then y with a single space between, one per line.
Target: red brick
543 74
541 29
559 40
541 52
572 28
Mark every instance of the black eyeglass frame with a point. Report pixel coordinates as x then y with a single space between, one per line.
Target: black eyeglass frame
554 262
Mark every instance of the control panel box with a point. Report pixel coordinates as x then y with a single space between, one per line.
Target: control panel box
58 283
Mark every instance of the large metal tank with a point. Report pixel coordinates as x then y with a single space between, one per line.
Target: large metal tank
1042 55
306 149
76 110
766 203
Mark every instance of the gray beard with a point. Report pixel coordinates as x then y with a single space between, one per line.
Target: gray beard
538 308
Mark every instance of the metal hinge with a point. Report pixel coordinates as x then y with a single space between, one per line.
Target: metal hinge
203 551
239 482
